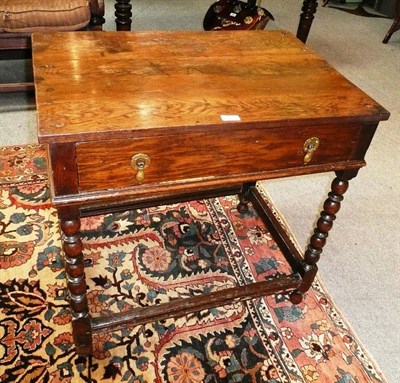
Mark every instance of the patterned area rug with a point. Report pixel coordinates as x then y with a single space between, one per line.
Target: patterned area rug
144 257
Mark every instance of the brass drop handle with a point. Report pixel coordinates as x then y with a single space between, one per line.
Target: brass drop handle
310 146
139 162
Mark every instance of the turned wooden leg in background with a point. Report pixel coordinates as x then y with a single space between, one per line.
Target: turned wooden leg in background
123 15
306 18
76 282
243 205
395 27
324 225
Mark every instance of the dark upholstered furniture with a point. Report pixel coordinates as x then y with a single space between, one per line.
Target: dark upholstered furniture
19 18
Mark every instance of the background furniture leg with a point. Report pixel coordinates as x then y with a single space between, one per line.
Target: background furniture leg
244 197
123 15
395 27
396 23
76 282
306 18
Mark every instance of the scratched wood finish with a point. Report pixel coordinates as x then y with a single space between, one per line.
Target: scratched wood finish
198 156
103 85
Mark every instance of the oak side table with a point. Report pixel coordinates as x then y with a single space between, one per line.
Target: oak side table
134 119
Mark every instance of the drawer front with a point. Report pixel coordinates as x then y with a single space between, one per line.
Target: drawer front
196 157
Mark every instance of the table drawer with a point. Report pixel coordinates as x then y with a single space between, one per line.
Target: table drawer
198 156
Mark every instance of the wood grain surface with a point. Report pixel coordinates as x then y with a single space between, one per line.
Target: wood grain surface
104 97
103 85
193 156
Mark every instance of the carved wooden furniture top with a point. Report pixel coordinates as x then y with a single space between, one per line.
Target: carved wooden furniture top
104 85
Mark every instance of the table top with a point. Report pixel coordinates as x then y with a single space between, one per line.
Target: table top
102 85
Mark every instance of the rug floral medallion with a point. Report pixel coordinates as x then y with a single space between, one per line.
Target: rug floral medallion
145 257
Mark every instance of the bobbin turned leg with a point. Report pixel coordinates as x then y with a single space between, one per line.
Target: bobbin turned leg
123 15
76 282
306 18
324 225
244 197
